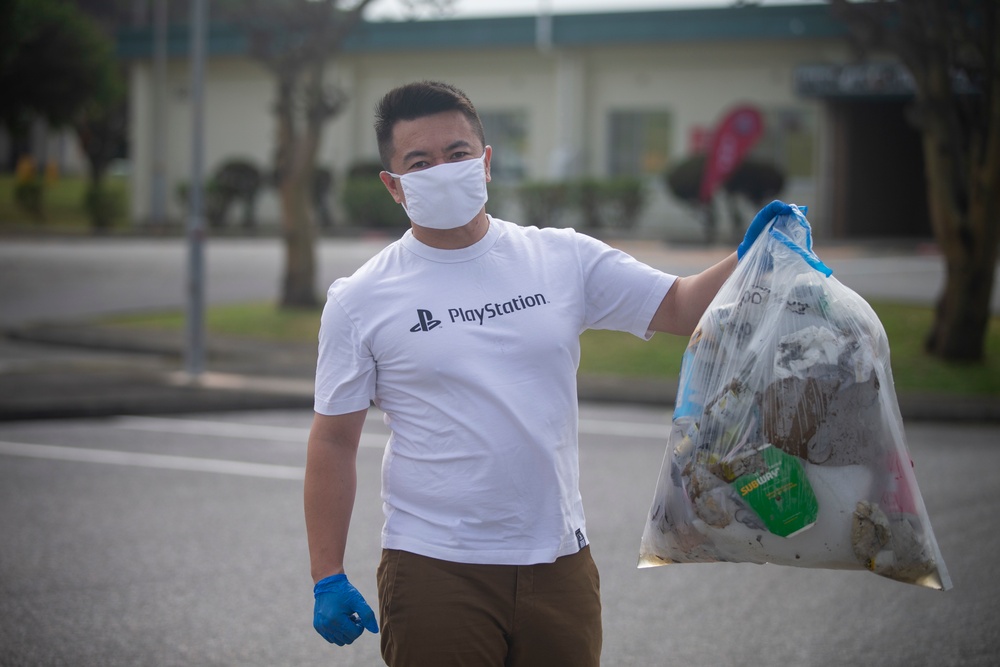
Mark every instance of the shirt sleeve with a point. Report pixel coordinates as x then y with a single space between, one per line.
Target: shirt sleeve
621 293
345 368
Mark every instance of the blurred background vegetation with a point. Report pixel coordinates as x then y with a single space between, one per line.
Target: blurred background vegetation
617 353
58 64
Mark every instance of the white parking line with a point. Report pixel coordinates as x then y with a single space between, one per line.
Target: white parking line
232 430
626 429
142 460
220 429
195 427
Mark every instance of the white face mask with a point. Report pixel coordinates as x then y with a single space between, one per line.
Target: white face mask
447 195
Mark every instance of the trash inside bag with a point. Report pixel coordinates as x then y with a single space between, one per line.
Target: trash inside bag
787 445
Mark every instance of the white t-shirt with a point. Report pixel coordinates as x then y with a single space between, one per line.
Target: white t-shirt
472 355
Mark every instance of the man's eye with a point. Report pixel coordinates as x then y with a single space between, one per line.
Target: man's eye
460 155
422 164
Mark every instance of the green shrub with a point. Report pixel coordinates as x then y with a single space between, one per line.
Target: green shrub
500 196
214 201
602 203
367 169
543 203
589 197
29 196
65 202
29 188
366 201
620 202
235 181
757 180
103 206
684 178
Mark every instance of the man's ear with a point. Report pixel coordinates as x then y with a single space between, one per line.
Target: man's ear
489 156
392 185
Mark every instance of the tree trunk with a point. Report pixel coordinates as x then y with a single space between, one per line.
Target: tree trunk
968 237
298 286
296 159
319 29
962 173
962 314
98 134
937 40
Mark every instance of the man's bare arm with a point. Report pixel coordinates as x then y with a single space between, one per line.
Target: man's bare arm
330 485
688 298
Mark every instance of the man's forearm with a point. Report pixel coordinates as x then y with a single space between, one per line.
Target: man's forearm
689 296
329 490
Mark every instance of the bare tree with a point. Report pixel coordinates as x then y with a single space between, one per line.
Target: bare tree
951 49
296 40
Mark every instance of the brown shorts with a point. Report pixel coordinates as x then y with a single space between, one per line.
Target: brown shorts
441 614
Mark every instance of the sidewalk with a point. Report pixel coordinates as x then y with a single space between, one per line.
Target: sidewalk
82 370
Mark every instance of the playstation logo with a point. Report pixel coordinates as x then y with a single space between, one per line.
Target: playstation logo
426 323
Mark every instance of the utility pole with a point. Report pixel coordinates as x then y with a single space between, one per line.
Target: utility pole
158 185
195 349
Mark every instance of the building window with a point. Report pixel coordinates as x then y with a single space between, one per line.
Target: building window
507 133
639 143
789 141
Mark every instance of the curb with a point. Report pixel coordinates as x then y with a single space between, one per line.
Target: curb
255 376
109 391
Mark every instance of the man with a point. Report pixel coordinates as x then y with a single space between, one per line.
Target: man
465 332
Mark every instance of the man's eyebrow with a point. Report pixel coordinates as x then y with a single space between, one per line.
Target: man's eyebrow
412 154
461 143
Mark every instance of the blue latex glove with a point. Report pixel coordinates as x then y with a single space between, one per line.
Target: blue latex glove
759 222
341 614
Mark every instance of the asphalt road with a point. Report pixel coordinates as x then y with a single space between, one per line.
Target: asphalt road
180 541
65 279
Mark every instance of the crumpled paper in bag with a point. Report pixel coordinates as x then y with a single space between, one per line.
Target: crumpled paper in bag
787 445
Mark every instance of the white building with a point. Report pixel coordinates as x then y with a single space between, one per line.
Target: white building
589 94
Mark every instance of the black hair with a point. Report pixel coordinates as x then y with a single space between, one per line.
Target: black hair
416 100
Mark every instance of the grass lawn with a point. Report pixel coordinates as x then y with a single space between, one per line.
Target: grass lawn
615 353
906 326
62 204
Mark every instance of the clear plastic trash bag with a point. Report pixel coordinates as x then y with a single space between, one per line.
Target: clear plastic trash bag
787 445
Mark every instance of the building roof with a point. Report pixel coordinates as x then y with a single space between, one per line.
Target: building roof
748 22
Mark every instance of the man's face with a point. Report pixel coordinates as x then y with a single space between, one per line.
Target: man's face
429 141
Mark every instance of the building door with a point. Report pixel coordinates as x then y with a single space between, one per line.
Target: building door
879 186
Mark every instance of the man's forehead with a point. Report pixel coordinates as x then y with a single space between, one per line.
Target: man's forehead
435 132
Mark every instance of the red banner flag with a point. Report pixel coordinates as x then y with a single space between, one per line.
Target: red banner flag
736 134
